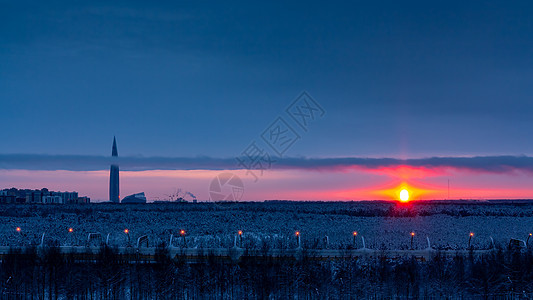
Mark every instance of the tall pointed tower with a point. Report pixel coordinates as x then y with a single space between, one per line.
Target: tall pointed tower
114 191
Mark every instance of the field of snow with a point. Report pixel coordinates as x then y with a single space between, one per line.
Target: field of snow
384 225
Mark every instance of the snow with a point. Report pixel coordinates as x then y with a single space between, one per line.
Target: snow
384 225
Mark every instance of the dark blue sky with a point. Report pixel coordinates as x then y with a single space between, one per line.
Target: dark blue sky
187 78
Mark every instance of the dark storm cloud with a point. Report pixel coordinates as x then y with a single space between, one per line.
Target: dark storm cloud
484 164
428 76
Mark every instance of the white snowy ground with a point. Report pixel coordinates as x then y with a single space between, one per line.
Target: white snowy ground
272 224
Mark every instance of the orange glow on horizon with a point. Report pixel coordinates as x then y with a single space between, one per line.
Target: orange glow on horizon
405 192
354 184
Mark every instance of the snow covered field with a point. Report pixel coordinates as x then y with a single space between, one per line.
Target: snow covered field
384 225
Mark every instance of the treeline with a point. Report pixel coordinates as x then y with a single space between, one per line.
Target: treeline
393 212
46 274
366 209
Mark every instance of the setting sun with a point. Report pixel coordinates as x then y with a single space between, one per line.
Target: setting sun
406 192
404 195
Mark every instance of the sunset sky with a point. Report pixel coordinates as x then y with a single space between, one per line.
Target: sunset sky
400 94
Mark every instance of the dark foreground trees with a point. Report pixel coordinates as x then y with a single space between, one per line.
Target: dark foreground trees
47 274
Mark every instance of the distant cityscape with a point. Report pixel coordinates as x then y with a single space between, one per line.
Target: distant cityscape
44 196
114 185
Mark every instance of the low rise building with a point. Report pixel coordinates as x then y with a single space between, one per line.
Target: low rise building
53 200
34 197
134 199
5 199
44 195
68 197
82 200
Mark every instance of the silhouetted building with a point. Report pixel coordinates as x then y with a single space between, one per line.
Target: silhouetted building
135 198
67 197
53 199
14 195
82 200
8 199
114 192
34 197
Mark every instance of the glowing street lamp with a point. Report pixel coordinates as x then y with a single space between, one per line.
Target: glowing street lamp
470 239
19 231
182 233
528 238
240 237
127 232
354 235
297 233
412 239
71 230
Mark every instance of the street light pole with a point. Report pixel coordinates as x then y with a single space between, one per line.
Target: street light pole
127 232
182 233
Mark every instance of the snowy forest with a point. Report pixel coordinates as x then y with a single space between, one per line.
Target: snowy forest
44 273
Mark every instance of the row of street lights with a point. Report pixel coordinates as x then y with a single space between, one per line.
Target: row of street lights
297 234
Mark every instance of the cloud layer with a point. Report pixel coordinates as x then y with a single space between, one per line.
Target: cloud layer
485 164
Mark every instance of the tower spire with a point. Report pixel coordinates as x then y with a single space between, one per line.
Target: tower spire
114 151
114 189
